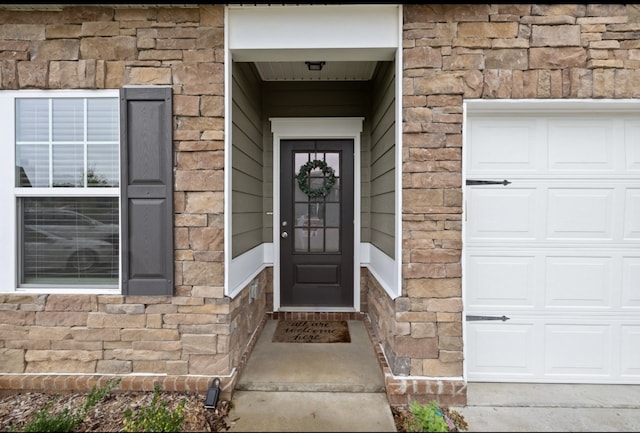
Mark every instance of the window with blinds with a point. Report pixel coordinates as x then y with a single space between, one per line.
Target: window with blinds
67 190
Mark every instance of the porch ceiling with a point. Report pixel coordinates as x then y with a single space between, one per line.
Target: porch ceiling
331 71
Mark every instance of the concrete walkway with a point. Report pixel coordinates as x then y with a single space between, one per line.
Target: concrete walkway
288 411
529 407
307 387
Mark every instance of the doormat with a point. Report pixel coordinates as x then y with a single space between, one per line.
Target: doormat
306 331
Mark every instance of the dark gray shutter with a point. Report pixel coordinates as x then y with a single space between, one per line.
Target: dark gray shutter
146 190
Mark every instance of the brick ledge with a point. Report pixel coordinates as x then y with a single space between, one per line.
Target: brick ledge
61 383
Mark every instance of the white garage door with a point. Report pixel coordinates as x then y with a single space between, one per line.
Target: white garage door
552 256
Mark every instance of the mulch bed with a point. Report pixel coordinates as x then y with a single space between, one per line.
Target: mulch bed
17 409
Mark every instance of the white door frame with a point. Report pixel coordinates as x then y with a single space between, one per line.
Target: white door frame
316 128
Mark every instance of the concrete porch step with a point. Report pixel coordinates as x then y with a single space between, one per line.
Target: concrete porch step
312 387
313 367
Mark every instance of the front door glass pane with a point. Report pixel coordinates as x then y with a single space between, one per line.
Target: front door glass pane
317 218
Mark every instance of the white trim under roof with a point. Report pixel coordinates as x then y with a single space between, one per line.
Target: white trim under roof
278 33
548 105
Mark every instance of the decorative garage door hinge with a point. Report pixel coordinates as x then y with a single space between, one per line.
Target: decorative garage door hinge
487 182
479 318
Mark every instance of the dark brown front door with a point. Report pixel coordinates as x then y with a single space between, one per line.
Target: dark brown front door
316 223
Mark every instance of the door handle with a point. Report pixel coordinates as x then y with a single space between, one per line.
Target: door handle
284 235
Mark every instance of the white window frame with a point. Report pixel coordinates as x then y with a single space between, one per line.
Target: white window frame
9 193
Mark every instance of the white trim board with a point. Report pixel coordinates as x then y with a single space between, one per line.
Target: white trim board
334 32
245 268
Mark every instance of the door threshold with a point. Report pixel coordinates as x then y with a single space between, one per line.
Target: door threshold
317 310
316 315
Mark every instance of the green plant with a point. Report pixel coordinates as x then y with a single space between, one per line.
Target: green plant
66 420
156 417
44 421
430 417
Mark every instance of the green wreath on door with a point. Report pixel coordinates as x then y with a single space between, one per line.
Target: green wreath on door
305 185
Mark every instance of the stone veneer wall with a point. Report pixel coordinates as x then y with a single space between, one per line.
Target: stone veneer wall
452 53
197 332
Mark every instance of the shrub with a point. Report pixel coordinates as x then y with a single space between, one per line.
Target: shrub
67 420
155 418
44 421
430 417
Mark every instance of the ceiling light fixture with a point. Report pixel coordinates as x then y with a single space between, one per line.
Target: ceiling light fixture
315 66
